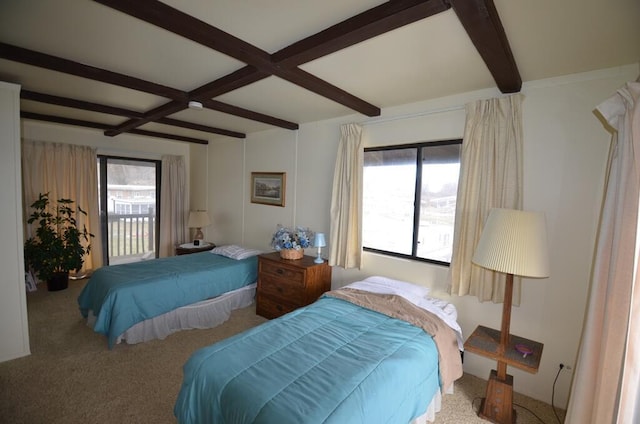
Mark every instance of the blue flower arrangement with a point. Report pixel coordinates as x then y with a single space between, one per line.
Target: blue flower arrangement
288 238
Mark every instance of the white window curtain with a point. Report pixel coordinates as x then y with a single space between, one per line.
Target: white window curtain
490 177
346 200
605 386
173 205
64 171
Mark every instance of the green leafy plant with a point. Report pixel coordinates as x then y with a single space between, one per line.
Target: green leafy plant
58 246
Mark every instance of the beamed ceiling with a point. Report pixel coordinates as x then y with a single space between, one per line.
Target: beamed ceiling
133 66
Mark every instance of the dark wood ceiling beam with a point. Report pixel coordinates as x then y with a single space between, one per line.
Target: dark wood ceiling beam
204 94
173 107
368 24
481 21
237 79
46 61
200 127
96 107
317 85
152 115
63 120
43 60
180 23
381 19
169 136
78 104
249 74
100 126
187 26
248 114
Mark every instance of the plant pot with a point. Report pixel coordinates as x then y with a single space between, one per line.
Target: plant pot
59 281
291 254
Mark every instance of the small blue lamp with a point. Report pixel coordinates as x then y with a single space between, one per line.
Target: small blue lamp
319 242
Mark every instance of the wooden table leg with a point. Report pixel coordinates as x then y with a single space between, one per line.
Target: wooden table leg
497 406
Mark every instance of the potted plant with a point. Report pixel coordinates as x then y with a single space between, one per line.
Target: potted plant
291 242
58 246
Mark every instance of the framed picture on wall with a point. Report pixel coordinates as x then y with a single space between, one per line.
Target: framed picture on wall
268 188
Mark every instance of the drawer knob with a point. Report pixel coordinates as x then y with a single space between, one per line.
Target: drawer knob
280 271
280 290
279 308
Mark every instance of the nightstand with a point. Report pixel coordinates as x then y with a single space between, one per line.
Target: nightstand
187 248
497 405
285 285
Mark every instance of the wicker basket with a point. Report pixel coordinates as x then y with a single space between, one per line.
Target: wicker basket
291 254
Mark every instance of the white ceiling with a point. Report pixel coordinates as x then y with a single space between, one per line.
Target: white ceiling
431 58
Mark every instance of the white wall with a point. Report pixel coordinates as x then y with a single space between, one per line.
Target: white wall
198 181
564 159
14 329
122 145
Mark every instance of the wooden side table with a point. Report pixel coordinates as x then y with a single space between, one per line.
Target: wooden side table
187 248
285 285
497 406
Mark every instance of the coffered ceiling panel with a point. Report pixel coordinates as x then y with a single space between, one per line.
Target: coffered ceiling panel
133 65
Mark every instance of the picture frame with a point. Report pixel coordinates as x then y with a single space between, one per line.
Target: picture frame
268 188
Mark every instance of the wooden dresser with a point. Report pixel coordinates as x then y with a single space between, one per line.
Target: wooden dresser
285 285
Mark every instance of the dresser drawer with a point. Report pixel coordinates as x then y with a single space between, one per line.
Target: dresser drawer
285 285
286 274
272 308
280 288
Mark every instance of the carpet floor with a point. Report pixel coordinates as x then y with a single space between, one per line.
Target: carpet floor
72 377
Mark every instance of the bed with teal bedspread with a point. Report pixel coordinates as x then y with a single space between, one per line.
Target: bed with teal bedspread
330 362
123 295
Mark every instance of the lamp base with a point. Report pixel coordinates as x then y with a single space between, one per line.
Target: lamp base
318 259
497 407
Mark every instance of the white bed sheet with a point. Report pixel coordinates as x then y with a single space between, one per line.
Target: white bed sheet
434 407
205 314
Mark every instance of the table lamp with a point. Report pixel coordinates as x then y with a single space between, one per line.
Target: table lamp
197 220
513 242
319 242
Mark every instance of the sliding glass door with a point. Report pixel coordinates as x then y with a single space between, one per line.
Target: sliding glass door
129 192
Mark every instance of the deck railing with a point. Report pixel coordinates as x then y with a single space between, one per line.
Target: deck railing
131 234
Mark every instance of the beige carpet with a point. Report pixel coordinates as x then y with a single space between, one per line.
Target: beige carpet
71 377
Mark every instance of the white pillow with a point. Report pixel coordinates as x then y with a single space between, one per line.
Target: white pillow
235 252
403 286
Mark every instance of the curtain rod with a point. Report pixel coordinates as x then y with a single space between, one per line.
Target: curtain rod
375 121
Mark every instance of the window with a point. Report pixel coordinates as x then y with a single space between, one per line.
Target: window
410 199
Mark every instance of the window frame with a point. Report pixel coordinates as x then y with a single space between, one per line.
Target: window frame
417 197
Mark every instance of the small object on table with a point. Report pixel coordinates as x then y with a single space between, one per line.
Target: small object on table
524 349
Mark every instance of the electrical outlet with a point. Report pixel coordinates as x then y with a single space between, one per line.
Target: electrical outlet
565 366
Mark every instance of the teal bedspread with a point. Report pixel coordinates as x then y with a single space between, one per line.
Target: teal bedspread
330 362
123 295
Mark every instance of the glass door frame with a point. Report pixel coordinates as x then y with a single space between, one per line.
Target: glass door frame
102 194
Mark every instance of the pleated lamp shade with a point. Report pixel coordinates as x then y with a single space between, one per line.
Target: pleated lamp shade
198 219
514 242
